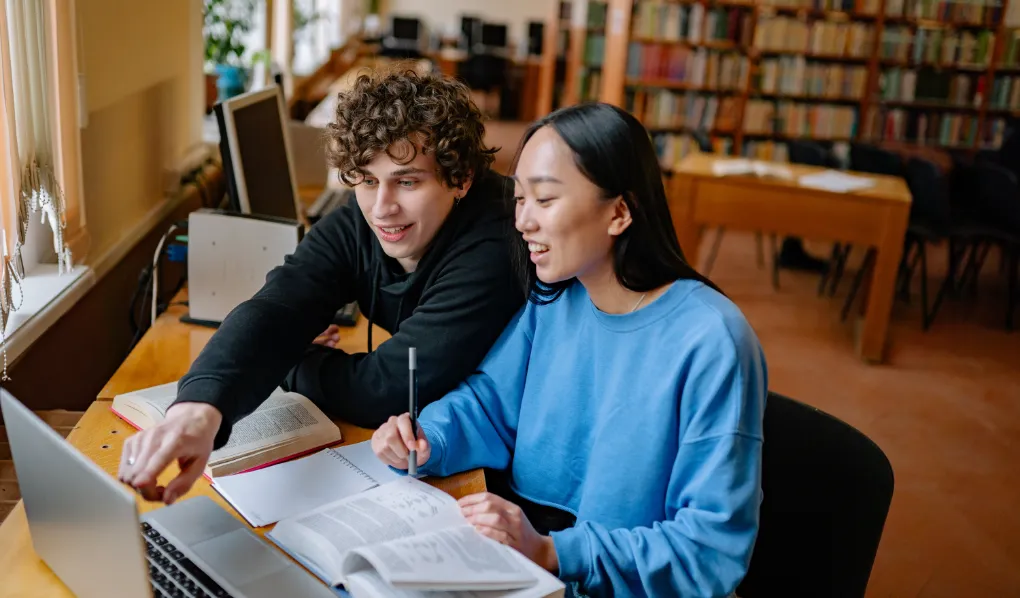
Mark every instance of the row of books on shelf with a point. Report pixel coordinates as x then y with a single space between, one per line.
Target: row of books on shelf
589 84
594 50
597 12
691 22
945 47
661 109
793 119
828 38
930 85
930 128
976 12
1005 94
794 75
861 7
671 148
1011 49
699 67
763 149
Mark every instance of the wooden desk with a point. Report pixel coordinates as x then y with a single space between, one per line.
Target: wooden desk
163 355
875 217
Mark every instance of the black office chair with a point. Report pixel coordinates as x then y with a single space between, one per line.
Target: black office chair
992 219
931 222
827 489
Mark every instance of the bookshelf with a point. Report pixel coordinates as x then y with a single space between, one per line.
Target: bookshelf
754 75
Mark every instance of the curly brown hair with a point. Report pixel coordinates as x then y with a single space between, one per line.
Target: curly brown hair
432 112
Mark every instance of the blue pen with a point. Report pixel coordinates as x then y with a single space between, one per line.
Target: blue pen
412 366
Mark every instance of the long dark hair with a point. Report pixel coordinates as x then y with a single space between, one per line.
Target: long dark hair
612 149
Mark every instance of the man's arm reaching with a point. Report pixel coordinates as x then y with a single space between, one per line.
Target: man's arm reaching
262 338
457 320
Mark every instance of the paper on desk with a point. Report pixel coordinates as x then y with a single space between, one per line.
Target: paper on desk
759 168
833 180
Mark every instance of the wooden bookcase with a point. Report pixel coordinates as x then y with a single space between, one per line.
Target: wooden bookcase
753 74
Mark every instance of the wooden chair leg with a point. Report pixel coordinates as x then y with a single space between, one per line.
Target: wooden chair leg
714 251
775 262
760 248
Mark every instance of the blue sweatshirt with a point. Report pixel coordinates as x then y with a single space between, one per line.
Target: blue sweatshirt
646 426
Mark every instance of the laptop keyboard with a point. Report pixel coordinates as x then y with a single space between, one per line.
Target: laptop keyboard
174 575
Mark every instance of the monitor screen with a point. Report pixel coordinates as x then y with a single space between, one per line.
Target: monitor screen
493 35
469 27
404 28
263 153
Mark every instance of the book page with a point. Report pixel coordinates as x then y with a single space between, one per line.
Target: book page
451 558
281 417
395 510
366 583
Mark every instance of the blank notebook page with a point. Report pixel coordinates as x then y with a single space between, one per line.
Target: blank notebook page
267 495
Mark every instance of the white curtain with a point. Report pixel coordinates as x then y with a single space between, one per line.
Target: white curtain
40 191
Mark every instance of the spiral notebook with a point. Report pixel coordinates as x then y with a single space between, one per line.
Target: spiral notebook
267 495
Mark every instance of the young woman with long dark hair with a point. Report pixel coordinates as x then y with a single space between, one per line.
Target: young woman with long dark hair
627 395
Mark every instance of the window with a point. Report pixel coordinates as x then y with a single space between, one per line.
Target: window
41 215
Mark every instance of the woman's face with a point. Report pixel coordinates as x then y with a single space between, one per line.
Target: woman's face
568 225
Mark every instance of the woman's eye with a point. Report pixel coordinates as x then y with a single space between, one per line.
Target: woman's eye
518 198
545 200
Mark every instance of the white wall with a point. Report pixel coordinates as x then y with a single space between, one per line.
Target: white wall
441 15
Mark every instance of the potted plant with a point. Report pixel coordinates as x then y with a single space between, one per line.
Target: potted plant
226 23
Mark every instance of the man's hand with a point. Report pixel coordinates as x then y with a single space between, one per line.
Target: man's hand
329 338
506 523
187 435
394 440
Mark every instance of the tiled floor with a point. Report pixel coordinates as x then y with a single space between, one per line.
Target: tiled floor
945 409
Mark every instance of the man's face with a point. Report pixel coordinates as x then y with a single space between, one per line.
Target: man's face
405 204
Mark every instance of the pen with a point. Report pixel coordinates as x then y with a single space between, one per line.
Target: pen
412 366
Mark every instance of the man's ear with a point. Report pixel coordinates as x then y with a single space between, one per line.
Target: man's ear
621 217
465 186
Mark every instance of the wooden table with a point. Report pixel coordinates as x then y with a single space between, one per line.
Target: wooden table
875 217
163 355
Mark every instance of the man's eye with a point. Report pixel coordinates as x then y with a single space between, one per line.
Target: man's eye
407 184
370 182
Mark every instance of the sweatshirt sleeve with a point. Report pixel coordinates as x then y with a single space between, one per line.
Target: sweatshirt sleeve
476 424
458 318
261 339
703 545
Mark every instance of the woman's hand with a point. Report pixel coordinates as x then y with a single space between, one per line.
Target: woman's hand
394 440
506 523
329 338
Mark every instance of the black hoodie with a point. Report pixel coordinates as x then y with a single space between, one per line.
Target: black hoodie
451 308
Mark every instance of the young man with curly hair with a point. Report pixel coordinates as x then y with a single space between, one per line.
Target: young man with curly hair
425 253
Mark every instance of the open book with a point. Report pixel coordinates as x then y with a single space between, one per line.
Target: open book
285 426
406 536
270 494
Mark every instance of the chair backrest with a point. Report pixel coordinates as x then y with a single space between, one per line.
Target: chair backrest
827 489
997 201
929 191
868 158
808 152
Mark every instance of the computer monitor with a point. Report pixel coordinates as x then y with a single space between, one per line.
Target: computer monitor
406 29
470 28
493 35
536 31
256 154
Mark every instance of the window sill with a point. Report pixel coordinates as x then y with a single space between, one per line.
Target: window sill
47 297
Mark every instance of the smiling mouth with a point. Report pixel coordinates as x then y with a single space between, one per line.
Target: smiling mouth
394 234
537 248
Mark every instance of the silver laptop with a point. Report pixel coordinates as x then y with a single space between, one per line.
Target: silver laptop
85 526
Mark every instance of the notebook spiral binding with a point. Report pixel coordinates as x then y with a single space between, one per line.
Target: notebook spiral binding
357 469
